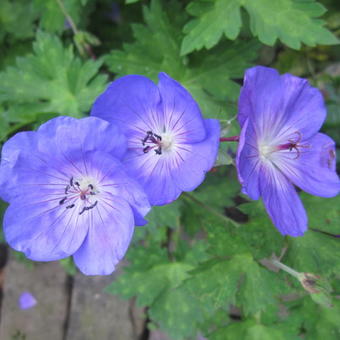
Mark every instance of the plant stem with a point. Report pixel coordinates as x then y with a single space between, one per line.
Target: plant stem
285 268
75 30
67 16
230 139
211 210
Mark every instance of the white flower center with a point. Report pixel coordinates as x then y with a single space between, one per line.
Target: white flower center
167 141
265 151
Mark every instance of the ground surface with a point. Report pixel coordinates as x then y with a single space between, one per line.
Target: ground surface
68 308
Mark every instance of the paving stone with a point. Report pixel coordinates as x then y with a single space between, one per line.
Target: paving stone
46 282
98 315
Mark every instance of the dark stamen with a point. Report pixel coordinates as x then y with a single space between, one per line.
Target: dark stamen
152 138
147 149
67 189
77 184
157 136
62 201
70 206
71 181
88 208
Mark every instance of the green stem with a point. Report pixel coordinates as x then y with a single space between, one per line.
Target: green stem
67 16
210 209
285 268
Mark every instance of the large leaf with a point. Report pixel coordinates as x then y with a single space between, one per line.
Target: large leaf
292 21
157 48
51 80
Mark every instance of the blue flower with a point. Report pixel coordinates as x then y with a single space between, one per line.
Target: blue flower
280 146
70 195
170 145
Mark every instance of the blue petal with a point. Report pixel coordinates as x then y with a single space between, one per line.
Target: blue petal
115 181
282 202
155 174
24 169
313 167
109 235
42 229
133 103
27 300
198 158
22 142
280 105
67 135
248 162
182 115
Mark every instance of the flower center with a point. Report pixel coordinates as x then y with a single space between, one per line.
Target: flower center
266 150
83 189
158 143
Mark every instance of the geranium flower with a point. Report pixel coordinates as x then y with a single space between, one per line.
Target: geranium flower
280 146
69 194
170 145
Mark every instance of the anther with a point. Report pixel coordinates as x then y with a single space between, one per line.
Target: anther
62 201
147 149
88 208
70 206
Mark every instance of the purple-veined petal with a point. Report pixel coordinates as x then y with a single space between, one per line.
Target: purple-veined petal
115 181
154 173
67 135
304 106
312 168
27 300
198 158
23 171
248 161
110 231
21 142
280 106
282 202
182 115
260 94
133 103
42 229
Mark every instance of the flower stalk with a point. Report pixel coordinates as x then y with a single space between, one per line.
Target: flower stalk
230 139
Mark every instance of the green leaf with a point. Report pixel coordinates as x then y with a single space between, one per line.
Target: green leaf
208 77
215 283
12 13
52 80
147 285
251 298
52 17
316 252
167 215
293 22
177 313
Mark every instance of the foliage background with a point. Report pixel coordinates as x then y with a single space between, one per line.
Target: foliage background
201 264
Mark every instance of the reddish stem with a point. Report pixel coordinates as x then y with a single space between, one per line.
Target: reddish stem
230 139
